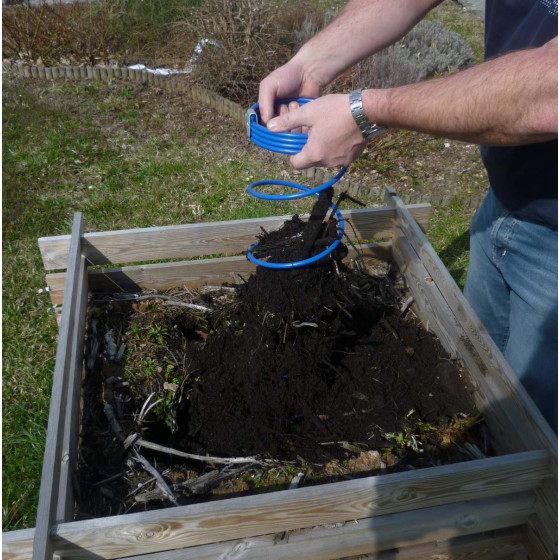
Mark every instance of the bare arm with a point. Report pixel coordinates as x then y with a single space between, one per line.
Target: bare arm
510 100
363 28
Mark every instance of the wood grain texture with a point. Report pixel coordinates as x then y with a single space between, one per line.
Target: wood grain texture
493 545
501 415
210 238
425 533
50 477
206 523
415 531
505 544
539 543
193 274
502 381
17 544
514 419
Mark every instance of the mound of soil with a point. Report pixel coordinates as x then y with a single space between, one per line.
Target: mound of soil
321 366
314 355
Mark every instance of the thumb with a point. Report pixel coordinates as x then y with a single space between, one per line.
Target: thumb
266 103
288 121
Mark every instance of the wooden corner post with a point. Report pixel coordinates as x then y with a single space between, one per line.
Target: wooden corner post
55 497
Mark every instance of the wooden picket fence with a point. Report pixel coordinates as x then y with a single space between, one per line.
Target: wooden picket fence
181 83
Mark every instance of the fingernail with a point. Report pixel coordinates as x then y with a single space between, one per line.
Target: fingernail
272 125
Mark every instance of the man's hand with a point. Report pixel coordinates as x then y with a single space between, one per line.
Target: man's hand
287 81
334 138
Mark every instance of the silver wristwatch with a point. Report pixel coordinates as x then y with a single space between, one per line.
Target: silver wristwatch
368 129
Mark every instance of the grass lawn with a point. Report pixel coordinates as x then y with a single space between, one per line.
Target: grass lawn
126 156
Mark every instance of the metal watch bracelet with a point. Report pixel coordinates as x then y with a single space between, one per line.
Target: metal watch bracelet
369 130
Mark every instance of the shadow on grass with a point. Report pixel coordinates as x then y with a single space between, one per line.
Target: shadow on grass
455 257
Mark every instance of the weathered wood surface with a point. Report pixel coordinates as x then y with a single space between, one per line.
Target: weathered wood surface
209 238
173 528
413 534
515 421
69 451
51 473
540 543
18 544
453 337
419 534
162 276
506 544
502 385
500 411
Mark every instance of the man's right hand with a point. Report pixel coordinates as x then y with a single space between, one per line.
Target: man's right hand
286 81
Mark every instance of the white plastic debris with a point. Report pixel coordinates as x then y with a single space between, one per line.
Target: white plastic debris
159 71
199 48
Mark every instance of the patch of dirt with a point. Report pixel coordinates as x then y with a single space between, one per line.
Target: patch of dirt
312 374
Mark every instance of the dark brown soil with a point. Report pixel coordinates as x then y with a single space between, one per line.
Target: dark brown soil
315 366
358 370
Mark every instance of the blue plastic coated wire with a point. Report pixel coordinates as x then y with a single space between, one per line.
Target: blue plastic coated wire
287 143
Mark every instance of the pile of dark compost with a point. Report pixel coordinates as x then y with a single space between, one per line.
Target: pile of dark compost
322 369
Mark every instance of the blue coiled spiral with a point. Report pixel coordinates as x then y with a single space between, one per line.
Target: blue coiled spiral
287 143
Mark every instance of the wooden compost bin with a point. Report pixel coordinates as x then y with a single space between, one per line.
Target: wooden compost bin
492 508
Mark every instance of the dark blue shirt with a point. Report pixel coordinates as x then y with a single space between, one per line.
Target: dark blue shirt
523 178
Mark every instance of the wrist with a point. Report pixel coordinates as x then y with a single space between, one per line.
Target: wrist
368 128
314 65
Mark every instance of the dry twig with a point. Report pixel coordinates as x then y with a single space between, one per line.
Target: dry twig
162 485
204 458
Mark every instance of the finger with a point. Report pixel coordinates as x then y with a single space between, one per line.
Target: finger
289 121
292 107
303 159
282 109
267 95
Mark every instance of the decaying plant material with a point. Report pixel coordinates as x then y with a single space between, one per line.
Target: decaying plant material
290 377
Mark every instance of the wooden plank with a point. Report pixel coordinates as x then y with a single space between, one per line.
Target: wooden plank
515 421
436 532
426 533
505 544
539 543
154 531
210 238
499 381
489 396
69 451
50 477
450 332
162 276
17 544
545 519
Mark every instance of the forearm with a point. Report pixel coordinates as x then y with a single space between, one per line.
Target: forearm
363 28
510 100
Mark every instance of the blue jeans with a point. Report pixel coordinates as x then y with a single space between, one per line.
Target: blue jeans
512 284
